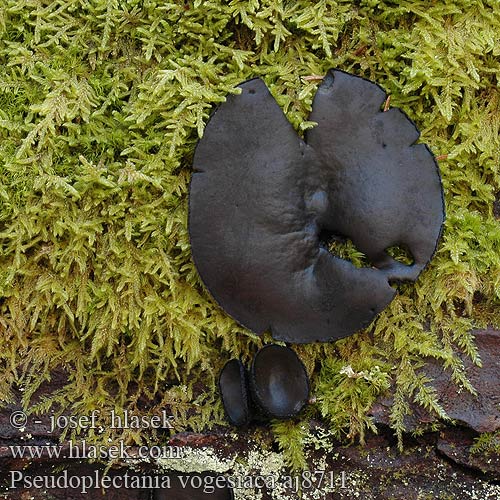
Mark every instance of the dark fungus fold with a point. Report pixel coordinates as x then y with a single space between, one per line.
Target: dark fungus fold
233 387
278 381
261 197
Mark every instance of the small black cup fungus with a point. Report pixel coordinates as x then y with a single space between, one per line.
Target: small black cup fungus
278 381
233 387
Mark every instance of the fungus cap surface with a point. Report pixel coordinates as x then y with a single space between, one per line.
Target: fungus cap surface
279 381
261 198
234 392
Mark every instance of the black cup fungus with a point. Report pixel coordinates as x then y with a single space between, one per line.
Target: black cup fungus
279 382
262 199
233 387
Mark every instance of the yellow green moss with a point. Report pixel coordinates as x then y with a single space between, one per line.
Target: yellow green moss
101 105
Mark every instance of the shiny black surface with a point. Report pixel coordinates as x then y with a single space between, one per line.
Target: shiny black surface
279 381
261 198
234 392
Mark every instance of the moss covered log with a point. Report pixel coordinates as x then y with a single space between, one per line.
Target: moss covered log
101 106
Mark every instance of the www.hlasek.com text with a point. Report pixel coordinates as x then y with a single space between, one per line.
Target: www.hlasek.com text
83 450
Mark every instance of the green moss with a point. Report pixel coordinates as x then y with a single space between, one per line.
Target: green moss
487 442
101 105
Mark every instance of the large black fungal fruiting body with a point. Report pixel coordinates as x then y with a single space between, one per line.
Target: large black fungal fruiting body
261 197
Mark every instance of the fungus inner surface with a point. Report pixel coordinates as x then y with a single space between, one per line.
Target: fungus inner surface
262 199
